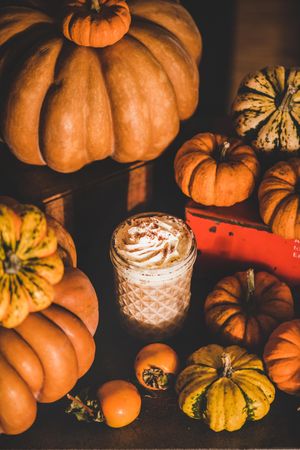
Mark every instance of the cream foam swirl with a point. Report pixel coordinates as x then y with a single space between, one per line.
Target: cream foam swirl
153 241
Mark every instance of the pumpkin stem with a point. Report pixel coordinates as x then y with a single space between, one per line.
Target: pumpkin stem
285 104
224 149
96 5
250 284
156 378
12 264
227 367
84 410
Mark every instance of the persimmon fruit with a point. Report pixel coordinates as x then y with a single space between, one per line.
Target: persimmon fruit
156 365
120 402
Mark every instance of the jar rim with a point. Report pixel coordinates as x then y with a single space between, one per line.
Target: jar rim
117 260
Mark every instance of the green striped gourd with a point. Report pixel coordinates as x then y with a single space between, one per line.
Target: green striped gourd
266 109
29 263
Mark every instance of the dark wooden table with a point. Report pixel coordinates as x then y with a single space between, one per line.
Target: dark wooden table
161 424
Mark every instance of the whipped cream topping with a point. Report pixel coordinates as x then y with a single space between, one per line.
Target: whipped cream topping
153 241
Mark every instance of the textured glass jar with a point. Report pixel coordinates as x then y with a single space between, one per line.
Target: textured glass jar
153 302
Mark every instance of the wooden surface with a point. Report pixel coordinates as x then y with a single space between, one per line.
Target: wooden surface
129 186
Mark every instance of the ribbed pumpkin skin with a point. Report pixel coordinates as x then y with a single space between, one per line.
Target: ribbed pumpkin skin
279 198
266 109
248 322
224 399
282 357
42 359
65 105
213 176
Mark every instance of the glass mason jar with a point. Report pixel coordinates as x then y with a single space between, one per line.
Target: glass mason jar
153 302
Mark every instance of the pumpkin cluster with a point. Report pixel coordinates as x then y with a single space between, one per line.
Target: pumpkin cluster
256 311
227 386
215 170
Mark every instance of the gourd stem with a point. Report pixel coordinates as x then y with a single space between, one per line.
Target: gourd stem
227 367
224 149
291 90
250 284
12 264
96 5
81 404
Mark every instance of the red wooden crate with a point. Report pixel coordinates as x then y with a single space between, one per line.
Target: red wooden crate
235 238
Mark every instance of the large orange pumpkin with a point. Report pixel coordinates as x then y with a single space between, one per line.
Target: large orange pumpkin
43 357
279 198
216 170
282 356
65 105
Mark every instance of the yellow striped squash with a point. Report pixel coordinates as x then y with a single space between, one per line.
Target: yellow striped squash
224 387
29 263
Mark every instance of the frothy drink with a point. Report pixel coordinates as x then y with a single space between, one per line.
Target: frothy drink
153 256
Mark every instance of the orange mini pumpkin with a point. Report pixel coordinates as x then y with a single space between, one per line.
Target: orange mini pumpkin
215 170
96 23
245 308
279 198
282 357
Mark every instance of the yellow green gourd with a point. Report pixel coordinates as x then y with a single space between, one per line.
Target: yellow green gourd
29 263
224 386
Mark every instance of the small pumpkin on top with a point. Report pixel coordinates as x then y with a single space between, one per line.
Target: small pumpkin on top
216 170
246 307
266 110
224 387
282 357
279 198
96 23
